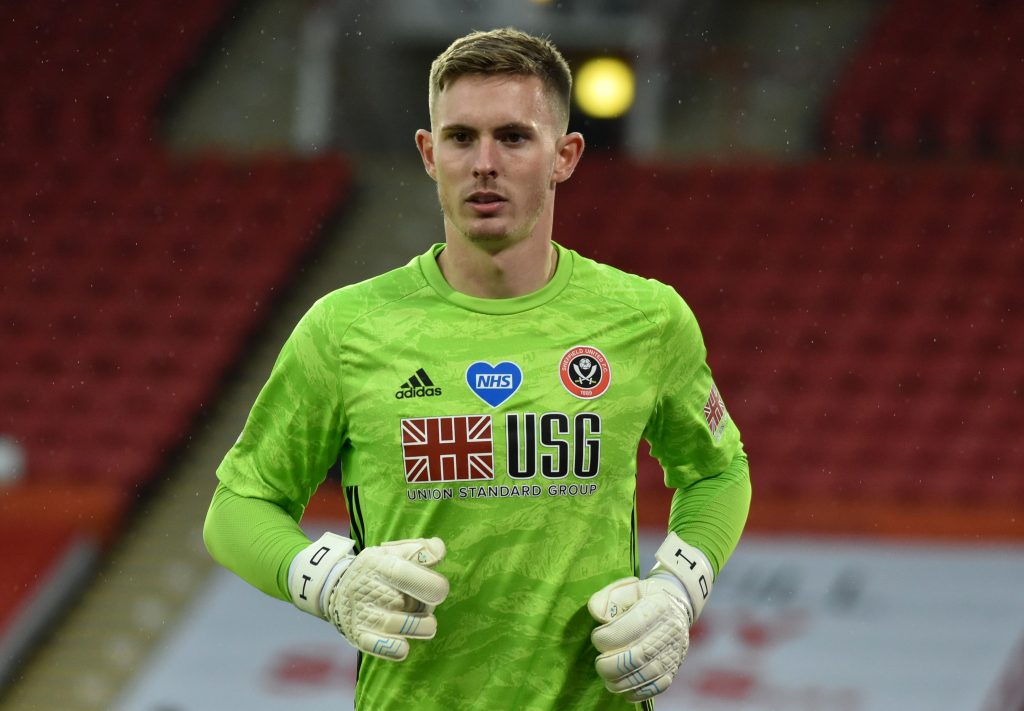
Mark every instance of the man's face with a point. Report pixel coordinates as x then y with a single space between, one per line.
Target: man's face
496 150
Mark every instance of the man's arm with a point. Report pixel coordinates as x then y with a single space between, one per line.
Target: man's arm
645 624
254 538
378 598
710 513
644 630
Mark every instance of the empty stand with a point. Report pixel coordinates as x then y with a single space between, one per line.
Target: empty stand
935 80
129 278
863 320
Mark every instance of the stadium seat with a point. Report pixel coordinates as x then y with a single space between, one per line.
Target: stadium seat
950 91
857 332
118 318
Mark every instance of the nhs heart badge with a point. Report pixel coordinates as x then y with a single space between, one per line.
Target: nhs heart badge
494 384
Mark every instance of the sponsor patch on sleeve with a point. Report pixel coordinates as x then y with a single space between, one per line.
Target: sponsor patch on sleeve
715 413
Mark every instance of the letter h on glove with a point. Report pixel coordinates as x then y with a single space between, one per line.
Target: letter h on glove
379 598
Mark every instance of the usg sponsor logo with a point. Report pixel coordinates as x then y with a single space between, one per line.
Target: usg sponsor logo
456 448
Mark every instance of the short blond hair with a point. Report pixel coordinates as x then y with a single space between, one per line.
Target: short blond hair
505 51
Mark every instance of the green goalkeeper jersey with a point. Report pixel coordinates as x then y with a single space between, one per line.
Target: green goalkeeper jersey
509 428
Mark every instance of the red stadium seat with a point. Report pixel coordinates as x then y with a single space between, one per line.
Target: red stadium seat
117 317
949 91
867 341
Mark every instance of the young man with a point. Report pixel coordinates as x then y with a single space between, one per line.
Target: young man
486 402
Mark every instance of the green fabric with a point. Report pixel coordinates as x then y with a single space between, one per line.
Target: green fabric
253 538
551 520
710 513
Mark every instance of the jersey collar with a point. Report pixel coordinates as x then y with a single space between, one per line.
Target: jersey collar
432 273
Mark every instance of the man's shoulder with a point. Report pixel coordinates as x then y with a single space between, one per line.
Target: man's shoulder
353 301
649 296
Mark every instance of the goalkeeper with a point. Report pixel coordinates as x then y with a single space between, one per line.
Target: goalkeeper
485 403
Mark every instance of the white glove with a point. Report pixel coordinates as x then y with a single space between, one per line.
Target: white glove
645 624
378 598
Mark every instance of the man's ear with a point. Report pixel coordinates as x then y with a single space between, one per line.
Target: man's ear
569 150
425 145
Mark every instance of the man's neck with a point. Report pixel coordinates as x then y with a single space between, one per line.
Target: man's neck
517 270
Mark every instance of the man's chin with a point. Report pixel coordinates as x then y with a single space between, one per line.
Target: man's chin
490 240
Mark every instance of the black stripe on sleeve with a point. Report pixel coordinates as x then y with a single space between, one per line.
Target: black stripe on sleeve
635 563
355 517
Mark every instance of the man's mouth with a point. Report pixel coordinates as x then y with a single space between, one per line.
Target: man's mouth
483 198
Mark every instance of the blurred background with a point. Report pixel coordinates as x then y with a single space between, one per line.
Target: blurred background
836 187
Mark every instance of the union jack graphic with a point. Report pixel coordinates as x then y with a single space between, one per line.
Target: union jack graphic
447 448
715 413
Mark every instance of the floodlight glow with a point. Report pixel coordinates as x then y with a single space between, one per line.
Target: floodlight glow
604 87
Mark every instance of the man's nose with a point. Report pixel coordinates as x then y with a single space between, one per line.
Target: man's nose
486 161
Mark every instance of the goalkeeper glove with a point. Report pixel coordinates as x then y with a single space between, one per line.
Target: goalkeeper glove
645 624
377 599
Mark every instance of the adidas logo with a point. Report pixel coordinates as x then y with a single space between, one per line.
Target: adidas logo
419 385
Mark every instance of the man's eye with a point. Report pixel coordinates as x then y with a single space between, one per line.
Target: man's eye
460 137
514 138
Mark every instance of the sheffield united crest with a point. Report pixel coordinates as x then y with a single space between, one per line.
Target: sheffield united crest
585 373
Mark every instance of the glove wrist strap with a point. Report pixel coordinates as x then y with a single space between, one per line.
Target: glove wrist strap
690 566
311 571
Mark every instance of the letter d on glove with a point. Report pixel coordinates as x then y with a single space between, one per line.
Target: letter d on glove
377 599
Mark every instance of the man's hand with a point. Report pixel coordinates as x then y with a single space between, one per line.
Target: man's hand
644 635
644 631
377 599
